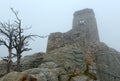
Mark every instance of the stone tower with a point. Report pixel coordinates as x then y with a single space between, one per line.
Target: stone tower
84 22
83 32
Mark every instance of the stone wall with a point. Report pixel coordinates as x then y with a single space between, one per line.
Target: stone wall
84 30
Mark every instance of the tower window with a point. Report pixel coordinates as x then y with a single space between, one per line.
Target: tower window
82 21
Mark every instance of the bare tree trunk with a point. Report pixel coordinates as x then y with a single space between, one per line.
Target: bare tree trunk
9 61
18 63
8 67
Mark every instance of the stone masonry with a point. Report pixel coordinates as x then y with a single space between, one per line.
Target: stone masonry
84 30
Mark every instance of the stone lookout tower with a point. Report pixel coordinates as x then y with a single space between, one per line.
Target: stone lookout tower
84 22
84 30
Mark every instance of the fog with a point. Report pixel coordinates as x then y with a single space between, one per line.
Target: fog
48 16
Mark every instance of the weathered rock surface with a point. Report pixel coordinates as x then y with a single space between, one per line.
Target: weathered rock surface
79 78
68 57
31 61
108 63
3 67
15 76
62 64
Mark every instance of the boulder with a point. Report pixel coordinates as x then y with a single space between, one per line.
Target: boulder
18 76
31 61
79 78
3 68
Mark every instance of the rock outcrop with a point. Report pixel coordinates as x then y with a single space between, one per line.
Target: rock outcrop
76 55
108 63
63 64
31 61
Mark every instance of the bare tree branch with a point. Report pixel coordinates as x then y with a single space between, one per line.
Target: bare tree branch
16 14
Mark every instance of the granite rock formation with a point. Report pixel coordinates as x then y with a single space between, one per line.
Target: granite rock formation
62 65
31 61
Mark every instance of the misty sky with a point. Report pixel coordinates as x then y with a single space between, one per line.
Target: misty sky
47 16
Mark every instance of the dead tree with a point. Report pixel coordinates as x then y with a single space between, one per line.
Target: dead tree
6 39
21 41
12 36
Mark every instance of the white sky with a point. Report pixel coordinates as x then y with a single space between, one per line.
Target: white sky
47 16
